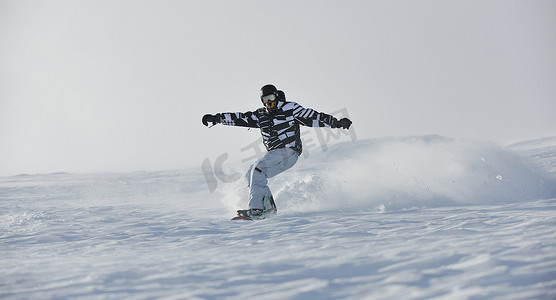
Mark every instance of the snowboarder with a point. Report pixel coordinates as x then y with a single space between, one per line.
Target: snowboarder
279 121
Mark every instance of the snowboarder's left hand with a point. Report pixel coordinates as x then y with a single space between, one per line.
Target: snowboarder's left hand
344 123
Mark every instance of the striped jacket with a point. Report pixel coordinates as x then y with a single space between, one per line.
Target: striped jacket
280 128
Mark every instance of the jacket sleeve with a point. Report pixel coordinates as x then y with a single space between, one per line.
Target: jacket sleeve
247 119
312 118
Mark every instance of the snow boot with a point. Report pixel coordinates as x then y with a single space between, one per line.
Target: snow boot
257 213
253 213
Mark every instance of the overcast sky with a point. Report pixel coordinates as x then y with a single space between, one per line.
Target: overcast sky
121 85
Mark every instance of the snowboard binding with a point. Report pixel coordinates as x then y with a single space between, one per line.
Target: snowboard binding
257 213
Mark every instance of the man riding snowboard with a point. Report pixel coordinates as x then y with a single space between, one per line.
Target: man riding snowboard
279 122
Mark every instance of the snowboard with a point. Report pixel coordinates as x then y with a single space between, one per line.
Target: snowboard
241 218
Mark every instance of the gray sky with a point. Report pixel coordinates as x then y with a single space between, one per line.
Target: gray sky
121 85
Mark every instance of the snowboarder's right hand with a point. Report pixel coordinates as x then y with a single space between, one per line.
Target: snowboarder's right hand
215 119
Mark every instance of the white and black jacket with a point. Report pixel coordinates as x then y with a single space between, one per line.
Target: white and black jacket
280 127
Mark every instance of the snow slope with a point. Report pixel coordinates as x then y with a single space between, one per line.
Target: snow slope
395 218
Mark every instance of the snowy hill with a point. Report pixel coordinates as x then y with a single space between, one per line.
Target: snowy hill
423 217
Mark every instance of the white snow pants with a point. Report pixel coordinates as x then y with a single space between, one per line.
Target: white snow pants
271 164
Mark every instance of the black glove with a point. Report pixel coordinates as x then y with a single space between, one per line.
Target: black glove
215 119
344 123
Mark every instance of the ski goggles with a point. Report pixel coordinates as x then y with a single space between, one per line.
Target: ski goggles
269 101
267 98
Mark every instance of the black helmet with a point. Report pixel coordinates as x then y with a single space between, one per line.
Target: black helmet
269 95
268 89
280 95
